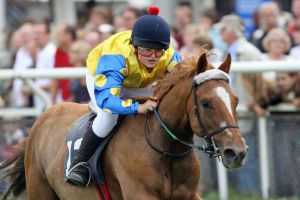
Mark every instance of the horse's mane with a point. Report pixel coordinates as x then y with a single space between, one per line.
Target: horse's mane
182 71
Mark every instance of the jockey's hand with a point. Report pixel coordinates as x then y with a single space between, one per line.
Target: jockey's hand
149 105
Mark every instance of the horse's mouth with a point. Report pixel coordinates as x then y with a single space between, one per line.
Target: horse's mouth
232 165
231 159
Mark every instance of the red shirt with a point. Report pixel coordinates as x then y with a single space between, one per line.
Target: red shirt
62 60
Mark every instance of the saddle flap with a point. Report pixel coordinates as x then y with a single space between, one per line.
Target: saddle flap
74 137
73 141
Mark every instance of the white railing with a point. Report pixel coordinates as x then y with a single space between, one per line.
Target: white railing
238 67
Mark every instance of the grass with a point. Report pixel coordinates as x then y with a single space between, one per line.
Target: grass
214 195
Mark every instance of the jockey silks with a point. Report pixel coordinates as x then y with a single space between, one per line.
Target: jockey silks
114 65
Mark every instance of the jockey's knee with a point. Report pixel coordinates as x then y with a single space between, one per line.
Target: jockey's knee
104 123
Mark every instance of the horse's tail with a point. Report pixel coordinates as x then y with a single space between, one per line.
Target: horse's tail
15 171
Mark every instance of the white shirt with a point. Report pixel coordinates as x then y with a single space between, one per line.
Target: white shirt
44 60
295 53
22 62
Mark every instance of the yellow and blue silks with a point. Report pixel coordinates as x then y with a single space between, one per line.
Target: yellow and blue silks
115 65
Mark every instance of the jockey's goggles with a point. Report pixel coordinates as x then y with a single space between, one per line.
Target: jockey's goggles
147 52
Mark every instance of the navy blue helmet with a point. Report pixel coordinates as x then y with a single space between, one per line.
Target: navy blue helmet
151 31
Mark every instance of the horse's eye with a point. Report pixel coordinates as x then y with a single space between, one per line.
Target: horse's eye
206 104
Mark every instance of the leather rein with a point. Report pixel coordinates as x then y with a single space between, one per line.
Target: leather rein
210 147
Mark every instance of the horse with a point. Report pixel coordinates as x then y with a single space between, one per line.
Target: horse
142 160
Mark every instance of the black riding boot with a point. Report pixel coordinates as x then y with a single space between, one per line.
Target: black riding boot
79 173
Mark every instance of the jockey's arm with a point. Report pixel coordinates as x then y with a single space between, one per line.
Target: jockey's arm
108 84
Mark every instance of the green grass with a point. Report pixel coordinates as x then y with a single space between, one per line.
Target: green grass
214 195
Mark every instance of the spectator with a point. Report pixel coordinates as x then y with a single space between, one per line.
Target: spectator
15 43
183 16
105 30
93 38
207 19
44 59
78 54
130 15
289 87
25 57
295 8
119 23
268 16
189 32
295 51
65 36
201 43
276 43
232 28
98 15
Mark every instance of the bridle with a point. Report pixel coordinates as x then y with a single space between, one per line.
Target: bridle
210 148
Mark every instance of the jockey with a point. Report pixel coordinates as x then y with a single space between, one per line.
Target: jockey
123 66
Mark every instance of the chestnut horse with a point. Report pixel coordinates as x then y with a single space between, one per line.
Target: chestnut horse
141 161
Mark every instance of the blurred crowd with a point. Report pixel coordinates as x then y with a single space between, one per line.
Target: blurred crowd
276 37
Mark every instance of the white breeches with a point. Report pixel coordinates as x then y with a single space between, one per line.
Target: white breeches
105 122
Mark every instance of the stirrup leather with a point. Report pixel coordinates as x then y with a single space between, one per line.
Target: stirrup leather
85 165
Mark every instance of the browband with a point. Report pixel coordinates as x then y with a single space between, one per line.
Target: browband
211 74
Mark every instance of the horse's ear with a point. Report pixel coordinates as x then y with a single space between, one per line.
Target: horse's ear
225 66
202 63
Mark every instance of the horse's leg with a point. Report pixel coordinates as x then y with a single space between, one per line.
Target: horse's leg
37 187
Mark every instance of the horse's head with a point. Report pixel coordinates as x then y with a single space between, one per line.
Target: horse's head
212 112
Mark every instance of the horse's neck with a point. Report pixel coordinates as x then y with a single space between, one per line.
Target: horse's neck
172 110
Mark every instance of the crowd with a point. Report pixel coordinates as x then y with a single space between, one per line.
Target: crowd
276 37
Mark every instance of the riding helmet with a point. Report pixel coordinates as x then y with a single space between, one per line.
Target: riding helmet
151 31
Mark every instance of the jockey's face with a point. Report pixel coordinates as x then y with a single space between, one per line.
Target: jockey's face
149 57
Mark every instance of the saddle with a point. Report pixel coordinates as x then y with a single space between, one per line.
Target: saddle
73 141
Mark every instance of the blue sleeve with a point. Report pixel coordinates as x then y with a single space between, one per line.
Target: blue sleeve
176 58
110 74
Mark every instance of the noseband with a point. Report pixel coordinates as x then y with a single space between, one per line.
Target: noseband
210 148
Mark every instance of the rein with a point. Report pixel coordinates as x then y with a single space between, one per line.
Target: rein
210 149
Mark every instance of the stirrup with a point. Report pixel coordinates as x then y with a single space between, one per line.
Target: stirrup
85 165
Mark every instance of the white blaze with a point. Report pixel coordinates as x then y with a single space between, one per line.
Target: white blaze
222 124
222 94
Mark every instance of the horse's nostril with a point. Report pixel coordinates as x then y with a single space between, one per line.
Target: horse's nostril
243 154
229 153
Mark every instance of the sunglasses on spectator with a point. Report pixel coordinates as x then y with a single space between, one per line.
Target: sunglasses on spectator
147 52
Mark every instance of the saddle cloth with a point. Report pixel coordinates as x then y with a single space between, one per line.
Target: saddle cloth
73 141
